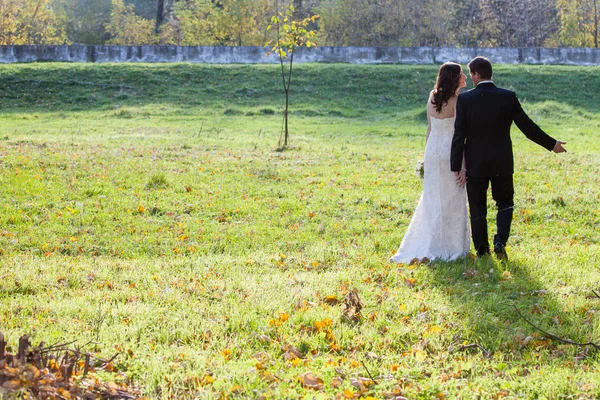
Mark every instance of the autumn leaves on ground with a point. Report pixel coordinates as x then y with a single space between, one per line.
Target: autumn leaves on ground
144 211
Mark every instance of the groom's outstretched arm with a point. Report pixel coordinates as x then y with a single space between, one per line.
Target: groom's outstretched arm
530 129
460 134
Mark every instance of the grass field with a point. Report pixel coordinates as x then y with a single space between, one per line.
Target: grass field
144 208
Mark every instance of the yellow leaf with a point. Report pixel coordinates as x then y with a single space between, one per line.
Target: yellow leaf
421 355
434 330
141 209
410 282
349 394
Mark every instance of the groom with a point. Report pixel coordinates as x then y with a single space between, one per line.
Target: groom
482 131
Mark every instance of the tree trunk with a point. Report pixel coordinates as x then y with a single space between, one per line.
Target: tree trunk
285 114
298 7
160 14
595 24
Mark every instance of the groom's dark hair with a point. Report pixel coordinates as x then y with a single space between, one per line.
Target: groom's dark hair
482 66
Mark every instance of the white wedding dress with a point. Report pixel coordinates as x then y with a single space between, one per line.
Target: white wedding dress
439 228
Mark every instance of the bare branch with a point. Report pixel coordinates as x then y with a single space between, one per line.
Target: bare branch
369 373
548 334
474 346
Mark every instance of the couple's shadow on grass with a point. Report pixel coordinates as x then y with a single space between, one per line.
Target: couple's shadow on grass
493 299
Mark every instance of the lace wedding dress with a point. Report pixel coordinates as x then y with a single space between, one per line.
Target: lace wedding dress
439 228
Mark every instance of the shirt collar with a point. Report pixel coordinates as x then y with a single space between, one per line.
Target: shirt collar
488 81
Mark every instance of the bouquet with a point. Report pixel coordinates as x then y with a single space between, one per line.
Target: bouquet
420 169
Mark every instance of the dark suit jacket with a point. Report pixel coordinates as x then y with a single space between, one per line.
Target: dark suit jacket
482 130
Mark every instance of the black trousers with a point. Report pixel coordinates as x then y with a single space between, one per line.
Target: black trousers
503 193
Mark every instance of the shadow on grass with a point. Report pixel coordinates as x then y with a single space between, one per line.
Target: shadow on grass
484 293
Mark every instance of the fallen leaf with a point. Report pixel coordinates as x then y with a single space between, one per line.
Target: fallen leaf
309 381
337 382
421 355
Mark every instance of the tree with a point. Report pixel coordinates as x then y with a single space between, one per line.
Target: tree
476 23
291 35
524 23
84 21
386 23
160 14
578 24
595 24
30 22
127 28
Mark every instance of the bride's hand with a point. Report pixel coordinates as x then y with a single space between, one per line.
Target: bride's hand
461 178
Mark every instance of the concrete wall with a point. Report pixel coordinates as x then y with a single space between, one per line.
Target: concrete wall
256 55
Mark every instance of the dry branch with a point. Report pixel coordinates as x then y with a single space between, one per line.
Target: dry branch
474 346
558 338
35 370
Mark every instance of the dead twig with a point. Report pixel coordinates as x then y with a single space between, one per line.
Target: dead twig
551 336
474 346
369 373
60 366
352 307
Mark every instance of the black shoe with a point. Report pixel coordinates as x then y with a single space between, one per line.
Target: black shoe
500 251
481 254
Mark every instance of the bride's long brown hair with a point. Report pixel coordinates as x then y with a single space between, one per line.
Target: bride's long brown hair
446 84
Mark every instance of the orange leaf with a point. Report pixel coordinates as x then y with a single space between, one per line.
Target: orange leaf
283 317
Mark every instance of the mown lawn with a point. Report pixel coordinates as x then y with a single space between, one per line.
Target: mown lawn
144 208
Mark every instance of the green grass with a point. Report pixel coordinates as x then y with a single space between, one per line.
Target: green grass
144 207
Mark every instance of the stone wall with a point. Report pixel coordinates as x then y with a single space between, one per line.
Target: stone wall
256 55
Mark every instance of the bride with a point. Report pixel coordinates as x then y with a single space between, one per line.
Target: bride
439 228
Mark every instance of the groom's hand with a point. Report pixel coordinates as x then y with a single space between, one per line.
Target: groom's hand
558 147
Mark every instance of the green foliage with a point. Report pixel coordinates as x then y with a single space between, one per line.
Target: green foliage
84 20
30 22
578 21
227 22
464 23
127 28
291 34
